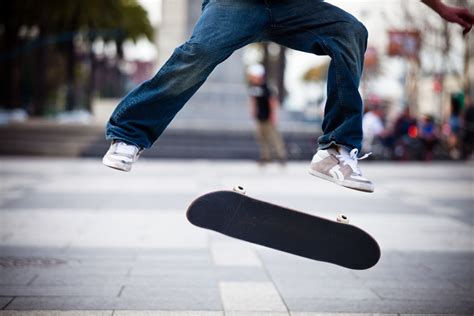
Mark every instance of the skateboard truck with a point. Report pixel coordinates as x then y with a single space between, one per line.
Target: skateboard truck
239 189
342 219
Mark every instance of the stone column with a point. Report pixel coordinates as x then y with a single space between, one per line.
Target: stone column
173 29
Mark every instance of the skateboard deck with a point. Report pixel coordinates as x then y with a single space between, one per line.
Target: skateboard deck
239 216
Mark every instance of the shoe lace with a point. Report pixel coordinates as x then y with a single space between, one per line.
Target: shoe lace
123 148
351 159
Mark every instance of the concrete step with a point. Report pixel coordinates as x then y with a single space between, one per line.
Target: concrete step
75 140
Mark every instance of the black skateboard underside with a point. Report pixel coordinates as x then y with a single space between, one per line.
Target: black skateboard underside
245 218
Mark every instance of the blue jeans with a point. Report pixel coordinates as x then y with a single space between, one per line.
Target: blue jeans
311 26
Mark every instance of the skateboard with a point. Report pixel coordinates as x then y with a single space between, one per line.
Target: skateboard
237 215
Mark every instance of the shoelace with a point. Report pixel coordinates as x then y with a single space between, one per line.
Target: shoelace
351 159
123 148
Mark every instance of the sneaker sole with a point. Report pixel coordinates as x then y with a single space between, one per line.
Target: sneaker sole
117 165
345 183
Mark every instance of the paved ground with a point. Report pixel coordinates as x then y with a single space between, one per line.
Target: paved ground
80 237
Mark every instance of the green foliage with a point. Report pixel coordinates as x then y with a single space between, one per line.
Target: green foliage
30 27
126 17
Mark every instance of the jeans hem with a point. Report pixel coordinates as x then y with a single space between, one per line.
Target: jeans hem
333 143
115 138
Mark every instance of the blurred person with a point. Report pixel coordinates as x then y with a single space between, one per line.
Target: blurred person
468 135
428 135
405 134
226 25
372 126
405 124
264 108
453 129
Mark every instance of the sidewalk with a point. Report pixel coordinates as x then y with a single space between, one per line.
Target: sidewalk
76 236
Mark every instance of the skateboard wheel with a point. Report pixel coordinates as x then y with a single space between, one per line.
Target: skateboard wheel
342 219
239 189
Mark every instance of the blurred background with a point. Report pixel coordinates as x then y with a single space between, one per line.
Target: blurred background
75 235
66 64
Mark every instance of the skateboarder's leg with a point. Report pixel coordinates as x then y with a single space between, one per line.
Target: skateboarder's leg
144 113
323 29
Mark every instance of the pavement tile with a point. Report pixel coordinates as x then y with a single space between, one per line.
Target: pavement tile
318 273
452 269
410 284
30 251
401 274
167 313
434 314
242 274
117 254
318 291
234 254
310 283
17 278
116 303
379 306
4 300
241 313
338 314
189 271
187 295
165 280
251 296
69 270
175 255
465 283
59 290
158 265
424 294
90 200
55 313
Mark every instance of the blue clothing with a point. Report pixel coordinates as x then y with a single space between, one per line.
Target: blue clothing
311 26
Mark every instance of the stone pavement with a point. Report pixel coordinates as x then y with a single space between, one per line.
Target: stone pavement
77 238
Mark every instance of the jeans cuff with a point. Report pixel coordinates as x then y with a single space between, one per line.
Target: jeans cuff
333 143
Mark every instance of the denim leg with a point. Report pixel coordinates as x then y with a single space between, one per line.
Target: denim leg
224 26
323 29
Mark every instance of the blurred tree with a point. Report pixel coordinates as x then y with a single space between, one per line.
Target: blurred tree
316 73
468 57
274 61
439 41
12 18
63 23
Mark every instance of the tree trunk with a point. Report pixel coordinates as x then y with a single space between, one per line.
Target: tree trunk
40 85
467 73
71 75
13 69
281 64
92 78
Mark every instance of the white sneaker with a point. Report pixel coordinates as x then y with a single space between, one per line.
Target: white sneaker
341 167
121 156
